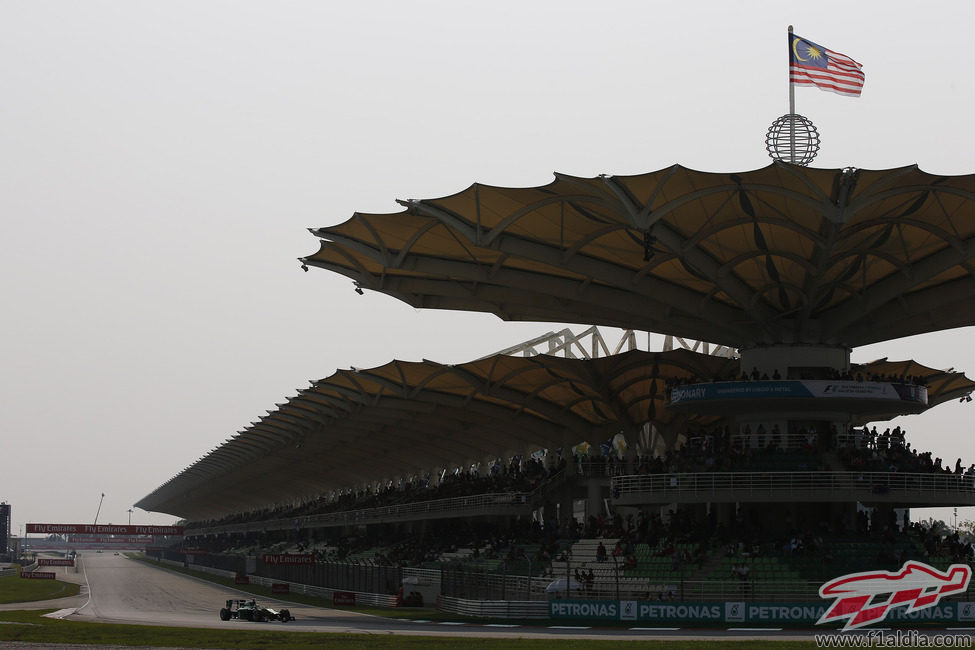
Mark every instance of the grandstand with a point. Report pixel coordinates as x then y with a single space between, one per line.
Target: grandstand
752 467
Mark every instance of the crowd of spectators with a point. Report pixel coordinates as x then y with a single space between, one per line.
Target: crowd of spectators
687 539
720 449
940 542
517 475
889 452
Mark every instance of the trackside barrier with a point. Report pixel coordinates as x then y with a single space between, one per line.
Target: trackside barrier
8 572
514 609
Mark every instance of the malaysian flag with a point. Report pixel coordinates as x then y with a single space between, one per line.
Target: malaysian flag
814 65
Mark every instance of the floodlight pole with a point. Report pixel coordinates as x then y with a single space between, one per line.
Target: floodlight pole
792 107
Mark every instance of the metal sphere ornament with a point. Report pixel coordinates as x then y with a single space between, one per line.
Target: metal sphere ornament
793 139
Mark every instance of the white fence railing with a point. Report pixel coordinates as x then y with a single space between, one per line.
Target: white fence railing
909 486
498 503
514 609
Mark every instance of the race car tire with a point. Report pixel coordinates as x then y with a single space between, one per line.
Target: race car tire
224 614
285 616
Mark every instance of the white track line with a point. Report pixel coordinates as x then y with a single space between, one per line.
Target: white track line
754 629
85 569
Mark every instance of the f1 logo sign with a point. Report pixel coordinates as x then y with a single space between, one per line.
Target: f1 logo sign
865 598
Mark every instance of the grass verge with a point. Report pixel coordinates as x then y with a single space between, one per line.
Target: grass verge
32 627
14 589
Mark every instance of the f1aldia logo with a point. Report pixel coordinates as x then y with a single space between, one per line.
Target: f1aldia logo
865 598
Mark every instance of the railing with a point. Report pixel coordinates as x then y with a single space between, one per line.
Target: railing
947 488
600 467
432 509
494 608
429 575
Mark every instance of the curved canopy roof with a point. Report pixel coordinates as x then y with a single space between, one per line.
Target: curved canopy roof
362 426
783 254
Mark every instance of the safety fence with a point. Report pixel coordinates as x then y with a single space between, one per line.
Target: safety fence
223 561
339 576
342 576
613 585
566 580
328 593
583 580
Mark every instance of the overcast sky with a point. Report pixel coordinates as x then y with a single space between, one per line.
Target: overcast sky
160 163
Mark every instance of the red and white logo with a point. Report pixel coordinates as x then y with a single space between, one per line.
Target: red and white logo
865 598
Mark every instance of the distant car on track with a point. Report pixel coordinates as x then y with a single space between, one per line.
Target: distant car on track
249 610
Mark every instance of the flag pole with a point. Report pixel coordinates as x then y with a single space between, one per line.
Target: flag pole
792 107
792 88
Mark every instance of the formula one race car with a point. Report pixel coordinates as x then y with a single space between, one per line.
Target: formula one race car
248 610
